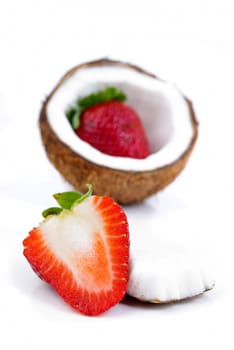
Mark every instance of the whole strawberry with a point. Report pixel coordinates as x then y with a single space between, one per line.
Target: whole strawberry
81 249
102 120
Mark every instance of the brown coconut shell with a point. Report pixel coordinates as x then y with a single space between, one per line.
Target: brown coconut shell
124 186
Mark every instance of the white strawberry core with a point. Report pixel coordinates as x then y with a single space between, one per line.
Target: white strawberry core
163 110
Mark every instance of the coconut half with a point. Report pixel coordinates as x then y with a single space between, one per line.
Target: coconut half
167 115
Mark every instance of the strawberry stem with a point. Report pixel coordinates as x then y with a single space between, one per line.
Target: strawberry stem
84 196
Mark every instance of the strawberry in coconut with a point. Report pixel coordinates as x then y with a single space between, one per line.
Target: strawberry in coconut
81 249
102 120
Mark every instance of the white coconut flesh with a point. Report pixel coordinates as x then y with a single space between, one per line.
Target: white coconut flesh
162 108
166 273
163 268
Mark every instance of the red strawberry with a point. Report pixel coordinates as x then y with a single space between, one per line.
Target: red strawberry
114 128
82 250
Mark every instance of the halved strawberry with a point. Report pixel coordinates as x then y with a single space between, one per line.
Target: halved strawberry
82 250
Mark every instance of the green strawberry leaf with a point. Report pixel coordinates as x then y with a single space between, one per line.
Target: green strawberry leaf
110 93
67 200
51 211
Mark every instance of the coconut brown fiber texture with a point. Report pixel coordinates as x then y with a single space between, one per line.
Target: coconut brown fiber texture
124 186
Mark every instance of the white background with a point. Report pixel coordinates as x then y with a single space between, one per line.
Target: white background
188 42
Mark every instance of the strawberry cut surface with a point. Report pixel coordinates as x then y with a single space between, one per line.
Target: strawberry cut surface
115 129
83 254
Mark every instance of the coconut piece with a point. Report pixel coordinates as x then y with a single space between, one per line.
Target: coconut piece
168 118
167 263
166 273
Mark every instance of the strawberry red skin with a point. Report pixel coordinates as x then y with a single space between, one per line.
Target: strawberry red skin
55 272
115 129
